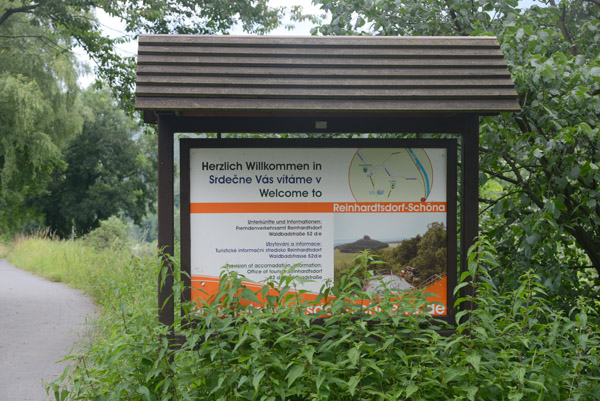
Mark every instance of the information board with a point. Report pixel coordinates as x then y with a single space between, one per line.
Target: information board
261 206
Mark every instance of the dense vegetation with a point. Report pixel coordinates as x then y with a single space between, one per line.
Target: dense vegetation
68 157
516 346
60 25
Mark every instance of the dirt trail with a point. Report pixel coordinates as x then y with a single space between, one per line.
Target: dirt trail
39 322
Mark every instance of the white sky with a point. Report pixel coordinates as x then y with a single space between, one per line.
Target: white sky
384 227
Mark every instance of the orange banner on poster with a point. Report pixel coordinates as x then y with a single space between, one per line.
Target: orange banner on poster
319 207
204 287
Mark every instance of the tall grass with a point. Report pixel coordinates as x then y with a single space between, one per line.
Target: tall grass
4 248
97 272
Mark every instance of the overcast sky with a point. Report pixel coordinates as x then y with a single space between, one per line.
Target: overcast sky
350 227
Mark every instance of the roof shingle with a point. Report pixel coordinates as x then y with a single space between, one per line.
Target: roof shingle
280 76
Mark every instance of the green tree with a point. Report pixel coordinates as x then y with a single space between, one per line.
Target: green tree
545 158
431 252
406 251
39 113
111 169
40 107
76 18
425 255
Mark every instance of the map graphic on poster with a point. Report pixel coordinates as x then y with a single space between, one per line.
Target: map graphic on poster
383 175
259 211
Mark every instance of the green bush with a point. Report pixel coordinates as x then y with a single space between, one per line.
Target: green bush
112 233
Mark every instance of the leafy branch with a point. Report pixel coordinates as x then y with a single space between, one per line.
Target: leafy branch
23 9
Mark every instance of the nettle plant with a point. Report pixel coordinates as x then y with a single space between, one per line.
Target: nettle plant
344 350
510 346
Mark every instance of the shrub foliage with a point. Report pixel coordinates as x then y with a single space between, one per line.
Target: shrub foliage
513 346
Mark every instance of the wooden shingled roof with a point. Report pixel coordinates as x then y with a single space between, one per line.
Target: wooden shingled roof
321 76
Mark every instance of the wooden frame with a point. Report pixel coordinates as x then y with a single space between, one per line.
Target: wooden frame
168 124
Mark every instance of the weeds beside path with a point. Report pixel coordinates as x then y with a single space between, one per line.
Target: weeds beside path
95 271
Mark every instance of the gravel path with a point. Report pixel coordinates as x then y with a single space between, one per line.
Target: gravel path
39 322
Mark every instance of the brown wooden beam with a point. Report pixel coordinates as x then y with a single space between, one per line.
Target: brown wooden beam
165 220
265 125
469 205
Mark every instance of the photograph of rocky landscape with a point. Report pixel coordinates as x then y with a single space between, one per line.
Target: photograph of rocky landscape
408 262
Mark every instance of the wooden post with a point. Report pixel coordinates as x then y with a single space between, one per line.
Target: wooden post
165 220
469 205
184 218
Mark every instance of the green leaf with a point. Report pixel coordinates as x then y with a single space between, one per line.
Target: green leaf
241 382
353 355
515 395
463 276
461 286
547 71
475 360
249 295
520 374
213 353
533 239
257 378
483 177
320 378
352 383
459 315
308 353
411 388
143 390
294 373
453 373
575 171
471 391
